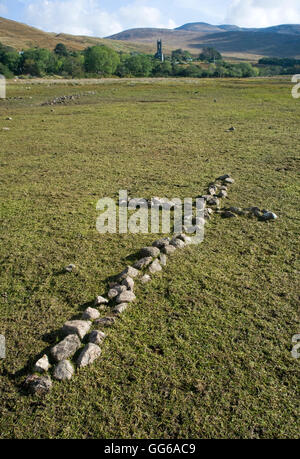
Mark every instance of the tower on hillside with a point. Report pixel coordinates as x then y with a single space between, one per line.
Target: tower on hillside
159 54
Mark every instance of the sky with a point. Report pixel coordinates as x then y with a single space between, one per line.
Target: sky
106 17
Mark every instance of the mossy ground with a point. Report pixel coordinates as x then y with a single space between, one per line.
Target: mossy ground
206 350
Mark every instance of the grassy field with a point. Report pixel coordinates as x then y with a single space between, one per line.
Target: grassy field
206 350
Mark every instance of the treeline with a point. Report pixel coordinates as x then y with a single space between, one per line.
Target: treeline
101 61
269 66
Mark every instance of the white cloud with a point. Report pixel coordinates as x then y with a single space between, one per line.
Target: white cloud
86 17
139 15
263 13
80 17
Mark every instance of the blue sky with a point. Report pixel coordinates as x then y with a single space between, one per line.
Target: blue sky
105 17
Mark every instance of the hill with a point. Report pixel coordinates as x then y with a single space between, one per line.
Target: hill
231 40
21 36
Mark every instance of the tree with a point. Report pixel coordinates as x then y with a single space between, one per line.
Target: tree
210 55
139 65
101 60
180 55
61 50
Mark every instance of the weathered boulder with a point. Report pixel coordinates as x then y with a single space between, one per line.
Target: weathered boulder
80 327
42 365
120 308
228 214
91 314
115 291
163 259
161 243
88 355
128 283
96 337
38 385
177 243
169 249
150 252
70 268
100 300
268 216
143 263
105 321
66 348
213 201
155 267
63 370
126 297
129 271
145 279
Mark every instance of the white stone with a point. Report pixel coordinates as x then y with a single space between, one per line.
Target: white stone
126 297
88 355
91 314
80 327
96 337
66 348
100 300
42 365
120 308
63 370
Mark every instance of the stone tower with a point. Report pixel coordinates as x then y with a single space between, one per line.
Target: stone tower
159 54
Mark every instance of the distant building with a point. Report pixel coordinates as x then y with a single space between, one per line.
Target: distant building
159 54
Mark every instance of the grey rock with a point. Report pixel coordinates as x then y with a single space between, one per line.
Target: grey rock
80 327
268 216
155 267
213 201
96 337
70 268
236 210
228 214
169 249
38 385
128 283
143 262
212 190
150 252
88 355
186 239
145 279
120 308
42 365
229 180
114 292
63 370
161 243
129 271
163 259
223 194
91 314
177 243
105 321
66 348
100 300
126 297
223 177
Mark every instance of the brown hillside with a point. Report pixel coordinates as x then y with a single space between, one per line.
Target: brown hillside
21 36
